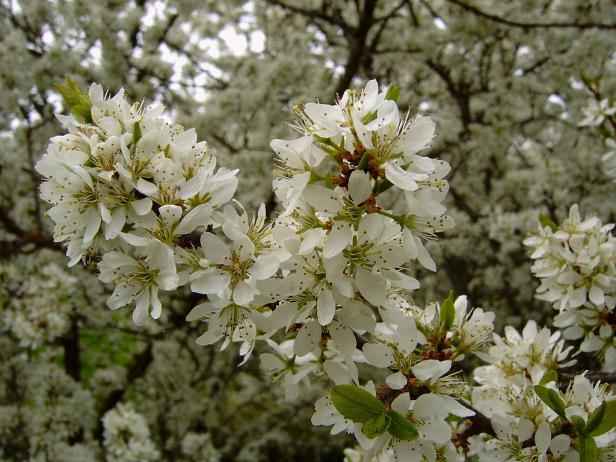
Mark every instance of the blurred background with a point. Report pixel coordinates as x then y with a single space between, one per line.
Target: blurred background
507 83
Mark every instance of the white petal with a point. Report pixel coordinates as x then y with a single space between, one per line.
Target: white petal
560 444
360 187
337 239
396 381
378 354
200 311
156 305
244 293
402 403
525 429
343 337
137 241
310 239
400 177
428 405
210 281
337 372
417 135
118 220
326 307
209 337
170 214
372 286
323 199
437 431
264 267
146 188
543 437
307 338
142 206
430 369
199 216
140 314
93 224
122 295
596 295
215 249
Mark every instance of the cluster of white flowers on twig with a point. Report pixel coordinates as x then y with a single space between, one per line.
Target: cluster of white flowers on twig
576 264
127 436
38 308
327 284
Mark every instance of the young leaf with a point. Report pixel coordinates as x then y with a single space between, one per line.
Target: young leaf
549 376
595 418
77 102
381 186
578 423
376 425
355 403
587 448
551 399
136 133
400 427
547 221
393 93
448 312
608 421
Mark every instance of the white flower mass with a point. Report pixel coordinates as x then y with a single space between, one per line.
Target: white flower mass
249 231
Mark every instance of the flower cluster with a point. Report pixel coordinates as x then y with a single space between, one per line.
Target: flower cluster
596 112
419 347
546 424
127 185
576 263
39 308
326 285
127 436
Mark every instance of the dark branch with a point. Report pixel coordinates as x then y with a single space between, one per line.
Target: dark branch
530 25
313 14
593 376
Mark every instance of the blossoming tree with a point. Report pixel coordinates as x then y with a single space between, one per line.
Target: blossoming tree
317 288
326 283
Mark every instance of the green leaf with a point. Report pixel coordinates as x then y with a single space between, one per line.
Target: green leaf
448 312
587 449
381 186
376 426
549 376
393 93
400 427
547 222
578 423
136 133
608 421
363 161
551 399
75 100
595 419
355 403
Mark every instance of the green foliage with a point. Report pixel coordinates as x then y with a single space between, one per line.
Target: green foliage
549 376
587 449
448 312
355 403
606 419
75 100
547 222
595 419
401 428
393 93
551 399
376 425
